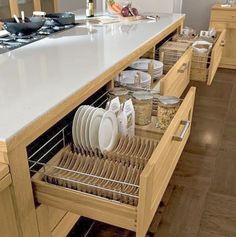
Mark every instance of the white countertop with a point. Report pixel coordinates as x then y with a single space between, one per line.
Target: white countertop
37 77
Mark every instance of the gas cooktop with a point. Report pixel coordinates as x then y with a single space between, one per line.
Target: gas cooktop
10 42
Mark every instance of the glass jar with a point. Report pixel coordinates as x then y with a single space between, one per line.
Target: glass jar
167 108
122 93
142 101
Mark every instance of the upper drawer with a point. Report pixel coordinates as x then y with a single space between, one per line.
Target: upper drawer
228 16
177 79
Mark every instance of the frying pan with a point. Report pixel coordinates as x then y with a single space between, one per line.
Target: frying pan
30 26
62 19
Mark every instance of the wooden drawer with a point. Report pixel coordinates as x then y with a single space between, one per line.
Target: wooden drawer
8 227
153 180
177 79
216 56
204 67
227 16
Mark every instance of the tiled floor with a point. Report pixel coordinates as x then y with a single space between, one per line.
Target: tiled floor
203 203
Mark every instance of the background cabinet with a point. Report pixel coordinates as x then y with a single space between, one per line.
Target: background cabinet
225 19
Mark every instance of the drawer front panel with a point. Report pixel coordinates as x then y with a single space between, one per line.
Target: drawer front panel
229 16
216 56
177 79
160 167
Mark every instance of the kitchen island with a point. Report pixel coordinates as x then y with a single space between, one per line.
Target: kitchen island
43 82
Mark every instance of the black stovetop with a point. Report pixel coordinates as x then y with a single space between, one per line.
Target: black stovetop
11 42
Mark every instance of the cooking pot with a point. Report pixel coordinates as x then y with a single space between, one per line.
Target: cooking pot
30 26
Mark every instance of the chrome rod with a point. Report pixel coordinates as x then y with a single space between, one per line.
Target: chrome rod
90 185
85 174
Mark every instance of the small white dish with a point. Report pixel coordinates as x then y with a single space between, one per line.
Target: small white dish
87 126
142 64
108 132
83 131
94 128
78 125
127 78
74 125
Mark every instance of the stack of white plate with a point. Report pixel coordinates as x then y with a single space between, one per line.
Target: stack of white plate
127 78
142 65
94 128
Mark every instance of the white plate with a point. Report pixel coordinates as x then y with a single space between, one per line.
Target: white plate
142 64
108 132
128 77
87 125
74 125
94 128
83 131
78 125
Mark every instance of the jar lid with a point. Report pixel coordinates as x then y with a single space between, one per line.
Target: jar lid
169 100
142 95
119 91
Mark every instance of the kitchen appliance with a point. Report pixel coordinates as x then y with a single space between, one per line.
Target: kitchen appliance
36 30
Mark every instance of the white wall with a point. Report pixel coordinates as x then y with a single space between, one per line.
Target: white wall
70 5
198 13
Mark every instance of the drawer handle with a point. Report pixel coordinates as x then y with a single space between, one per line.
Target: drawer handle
186 124
183 68
222 43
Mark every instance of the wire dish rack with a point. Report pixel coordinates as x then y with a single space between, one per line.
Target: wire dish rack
112 175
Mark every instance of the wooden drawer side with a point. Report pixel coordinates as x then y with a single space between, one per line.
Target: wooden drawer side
216 56
177 79
228 16
160 167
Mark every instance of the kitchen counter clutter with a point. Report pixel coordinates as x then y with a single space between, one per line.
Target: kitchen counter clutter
54 178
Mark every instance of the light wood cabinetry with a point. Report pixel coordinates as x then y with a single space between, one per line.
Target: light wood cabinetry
225 19
8 224
48 210
10 7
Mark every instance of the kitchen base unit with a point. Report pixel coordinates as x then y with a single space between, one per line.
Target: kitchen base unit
29 145
224 19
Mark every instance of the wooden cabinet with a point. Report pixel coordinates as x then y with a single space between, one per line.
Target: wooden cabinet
10 7
225 19
8 224
48 210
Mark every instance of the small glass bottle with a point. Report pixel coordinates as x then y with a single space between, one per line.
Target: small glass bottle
90 8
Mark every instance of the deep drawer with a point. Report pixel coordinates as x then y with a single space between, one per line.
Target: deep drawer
153 180
204 67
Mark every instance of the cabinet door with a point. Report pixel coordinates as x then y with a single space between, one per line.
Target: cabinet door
8 225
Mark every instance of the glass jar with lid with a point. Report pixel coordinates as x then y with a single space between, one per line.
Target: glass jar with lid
167 108
142 101
120 92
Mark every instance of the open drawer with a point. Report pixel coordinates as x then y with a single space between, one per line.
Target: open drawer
176 80
204 67
152 182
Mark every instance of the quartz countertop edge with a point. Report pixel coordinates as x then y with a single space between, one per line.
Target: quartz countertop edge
36 78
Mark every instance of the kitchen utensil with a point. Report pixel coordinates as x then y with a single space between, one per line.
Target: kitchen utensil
61 19
74 125
108 132
78 125
94 128
30 26
127 78
16 19
23 16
